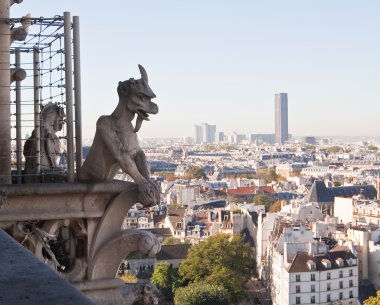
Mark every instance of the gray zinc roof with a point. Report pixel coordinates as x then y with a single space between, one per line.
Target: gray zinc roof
325 195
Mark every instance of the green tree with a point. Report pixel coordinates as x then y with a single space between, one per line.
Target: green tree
201 294
334 149
373 300
171 241
195 173
262 199
220 260
269 174
226 147
275 207
372 148
165 278
209 147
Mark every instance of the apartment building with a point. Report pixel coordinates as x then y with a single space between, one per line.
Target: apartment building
305 271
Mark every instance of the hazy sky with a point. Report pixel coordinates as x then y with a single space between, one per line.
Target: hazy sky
221 62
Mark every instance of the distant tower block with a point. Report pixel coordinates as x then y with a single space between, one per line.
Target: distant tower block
281 118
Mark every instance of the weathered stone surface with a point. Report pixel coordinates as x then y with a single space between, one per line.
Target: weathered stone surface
115 143
35 214
45 161
26 280
107 260
57 200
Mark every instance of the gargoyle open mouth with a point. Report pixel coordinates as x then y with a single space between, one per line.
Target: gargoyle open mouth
142 114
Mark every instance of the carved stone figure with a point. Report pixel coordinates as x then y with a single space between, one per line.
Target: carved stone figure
115 143
52 120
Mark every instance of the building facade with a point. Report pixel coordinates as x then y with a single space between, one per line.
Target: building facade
281 118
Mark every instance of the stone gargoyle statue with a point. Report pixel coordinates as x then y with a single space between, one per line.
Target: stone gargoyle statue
115 144
52 119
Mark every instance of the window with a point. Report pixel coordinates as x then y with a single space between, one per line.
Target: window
351 294
312 277
298 278
312 288
328 275
340 295
340 284
351 283
298 289
328 286
328 298
351 272
298 300
312 299
341 273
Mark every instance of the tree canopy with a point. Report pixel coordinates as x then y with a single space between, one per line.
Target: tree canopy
262 199
165 278
275 207
221 260
372 148
201 294
195 173
269 174
334 149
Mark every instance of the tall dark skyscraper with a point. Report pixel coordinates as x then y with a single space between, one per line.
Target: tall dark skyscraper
281 118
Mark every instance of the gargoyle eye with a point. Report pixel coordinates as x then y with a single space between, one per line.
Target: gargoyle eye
142 96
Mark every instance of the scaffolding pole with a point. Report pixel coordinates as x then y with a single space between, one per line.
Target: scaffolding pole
37 118
18 120
77 95
5 108
69 96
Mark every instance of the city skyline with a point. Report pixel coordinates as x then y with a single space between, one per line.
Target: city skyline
219 61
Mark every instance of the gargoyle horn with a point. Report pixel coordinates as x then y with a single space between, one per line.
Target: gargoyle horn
143 73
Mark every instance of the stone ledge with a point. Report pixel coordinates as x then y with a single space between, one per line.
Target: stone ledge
115 186
26 280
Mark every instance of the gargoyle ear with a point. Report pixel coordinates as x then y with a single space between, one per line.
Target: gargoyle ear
121 88
143 73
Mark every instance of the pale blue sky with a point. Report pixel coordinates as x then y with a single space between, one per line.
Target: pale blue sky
221 62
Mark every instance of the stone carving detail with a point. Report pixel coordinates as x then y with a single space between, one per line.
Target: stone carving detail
115 144
52 120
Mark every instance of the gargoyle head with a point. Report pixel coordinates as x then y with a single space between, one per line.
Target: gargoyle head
52 116
137 95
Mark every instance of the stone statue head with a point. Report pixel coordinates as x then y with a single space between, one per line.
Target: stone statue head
52 116
137 95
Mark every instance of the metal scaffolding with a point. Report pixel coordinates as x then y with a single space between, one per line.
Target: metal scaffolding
46 55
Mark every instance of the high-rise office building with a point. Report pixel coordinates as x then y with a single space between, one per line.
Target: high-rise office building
204 133
198 134
208 133
281 118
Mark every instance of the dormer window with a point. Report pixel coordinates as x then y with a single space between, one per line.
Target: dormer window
179 225
339 262
326 263
311 265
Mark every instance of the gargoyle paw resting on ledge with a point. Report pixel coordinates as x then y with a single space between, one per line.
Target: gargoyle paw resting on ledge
115 143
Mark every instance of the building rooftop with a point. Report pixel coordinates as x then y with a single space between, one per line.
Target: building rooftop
300 261
325 195
168 252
